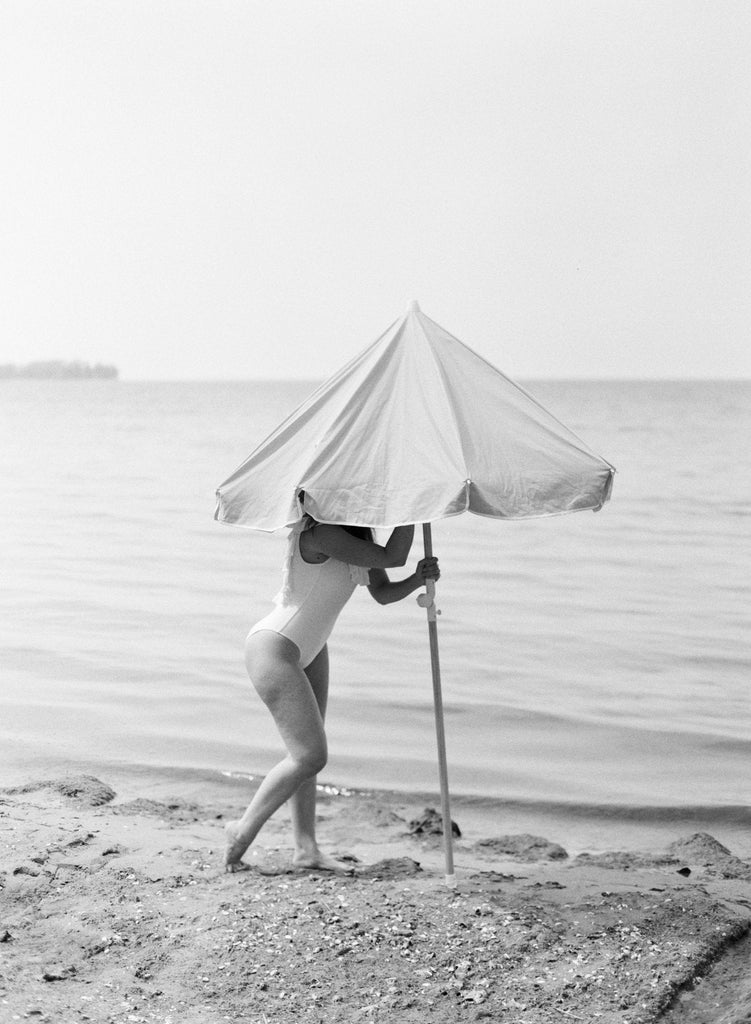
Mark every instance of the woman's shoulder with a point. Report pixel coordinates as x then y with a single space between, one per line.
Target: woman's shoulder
307 545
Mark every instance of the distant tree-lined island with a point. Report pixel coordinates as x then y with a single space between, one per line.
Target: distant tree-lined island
55 369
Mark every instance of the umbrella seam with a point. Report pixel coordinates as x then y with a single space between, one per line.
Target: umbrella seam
441 375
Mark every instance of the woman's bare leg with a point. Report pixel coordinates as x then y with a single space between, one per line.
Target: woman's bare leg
303 801
274 668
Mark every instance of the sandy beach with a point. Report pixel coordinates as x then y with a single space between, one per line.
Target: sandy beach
116 908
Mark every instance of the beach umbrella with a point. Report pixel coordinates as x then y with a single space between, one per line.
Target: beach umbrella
415 428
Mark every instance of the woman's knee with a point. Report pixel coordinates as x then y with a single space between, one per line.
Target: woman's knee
311 760
287 692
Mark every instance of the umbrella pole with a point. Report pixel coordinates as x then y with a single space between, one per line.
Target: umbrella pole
427 601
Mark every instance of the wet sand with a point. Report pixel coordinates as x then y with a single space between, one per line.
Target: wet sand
115 907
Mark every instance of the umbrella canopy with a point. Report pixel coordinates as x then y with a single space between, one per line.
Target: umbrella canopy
415 428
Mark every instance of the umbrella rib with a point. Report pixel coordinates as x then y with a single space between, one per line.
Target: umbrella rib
454 419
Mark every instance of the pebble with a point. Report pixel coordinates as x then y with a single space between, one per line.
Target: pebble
523 847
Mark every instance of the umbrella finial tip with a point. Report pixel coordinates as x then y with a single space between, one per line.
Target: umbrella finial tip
413 307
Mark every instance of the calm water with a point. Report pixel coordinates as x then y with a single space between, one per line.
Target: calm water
592 659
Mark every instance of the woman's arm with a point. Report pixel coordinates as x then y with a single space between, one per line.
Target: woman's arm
337 543
386 591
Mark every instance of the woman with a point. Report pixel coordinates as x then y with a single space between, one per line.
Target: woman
287 661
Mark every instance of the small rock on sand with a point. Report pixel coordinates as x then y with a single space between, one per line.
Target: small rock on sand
176 810
430 823
85 788
701 850
522 847
58 973
393 867
704 850
624 860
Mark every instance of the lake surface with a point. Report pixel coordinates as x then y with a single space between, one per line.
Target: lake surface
591 662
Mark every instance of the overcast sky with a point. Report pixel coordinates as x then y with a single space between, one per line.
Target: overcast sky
235 189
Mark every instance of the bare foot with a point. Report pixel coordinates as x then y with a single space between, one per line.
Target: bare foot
318 861
236 847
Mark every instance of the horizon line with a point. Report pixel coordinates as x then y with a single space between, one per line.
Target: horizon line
120 379
522 376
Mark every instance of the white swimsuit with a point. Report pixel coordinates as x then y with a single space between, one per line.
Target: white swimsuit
311 598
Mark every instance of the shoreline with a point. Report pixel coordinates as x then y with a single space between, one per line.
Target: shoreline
115 907
580 827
